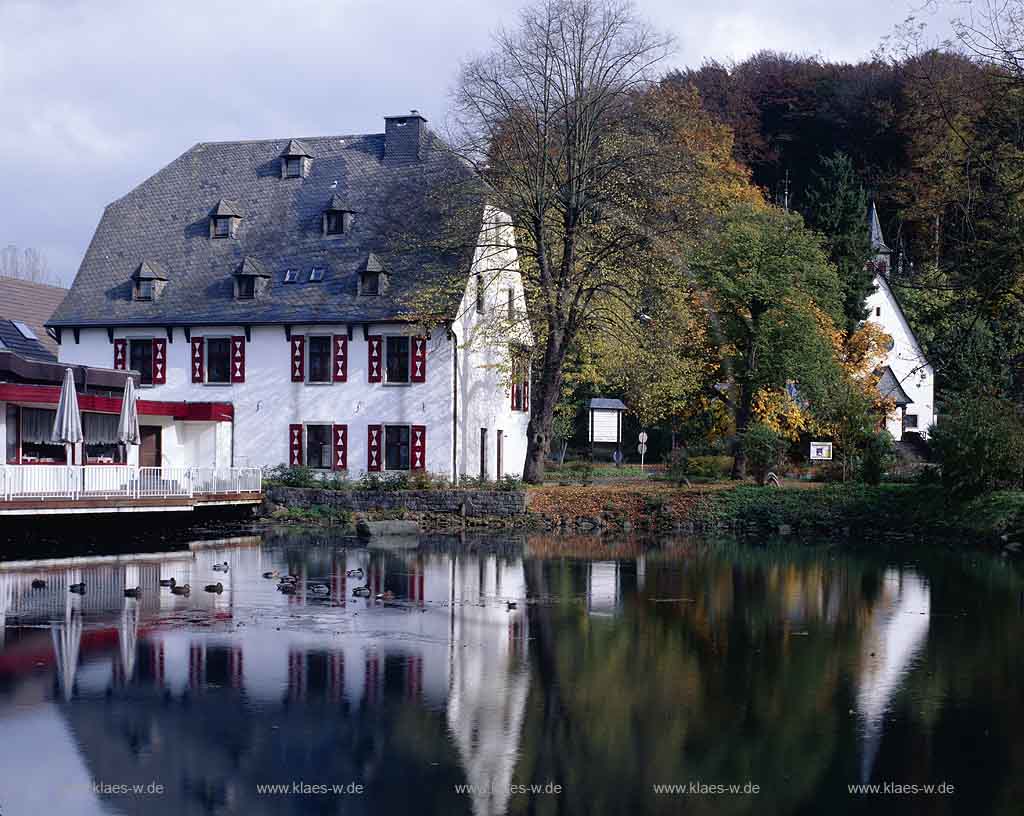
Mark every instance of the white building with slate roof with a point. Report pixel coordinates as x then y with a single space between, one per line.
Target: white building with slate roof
908 378
259 290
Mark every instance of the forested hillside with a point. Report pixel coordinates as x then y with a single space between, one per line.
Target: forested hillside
935 137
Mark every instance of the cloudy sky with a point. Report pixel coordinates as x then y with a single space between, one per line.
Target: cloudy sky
96 95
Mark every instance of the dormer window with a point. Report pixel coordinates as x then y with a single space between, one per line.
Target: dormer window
296 160
224 219
148 281
250 279
335 223
338 217
372 277
370 284
291 275
316 274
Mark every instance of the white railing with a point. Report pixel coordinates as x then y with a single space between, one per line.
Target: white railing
226 480
120 481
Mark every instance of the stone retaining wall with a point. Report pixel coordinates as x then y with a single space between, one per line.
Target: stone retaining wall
470 503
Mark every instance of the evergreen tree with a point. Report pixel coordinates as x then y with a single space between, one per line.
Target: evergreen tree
836 205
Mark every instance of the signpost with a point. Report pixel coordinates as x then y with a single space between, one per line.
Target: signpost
642 447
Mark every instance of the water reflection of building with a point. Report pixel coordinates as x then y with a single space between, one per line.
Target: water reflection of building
448 643
489 677
896 634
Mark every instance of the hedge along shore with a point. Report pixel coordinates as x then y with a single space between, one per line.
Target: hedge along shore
805 509
433 509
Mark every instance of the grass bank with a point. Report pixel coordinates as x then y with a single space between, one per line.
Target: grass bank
883 510
799 508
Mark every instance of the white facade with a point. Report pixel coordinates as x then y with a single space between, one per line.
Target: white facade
465 390
907 361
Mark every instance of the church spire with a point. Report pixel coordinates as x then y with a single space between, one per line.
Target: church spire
875 227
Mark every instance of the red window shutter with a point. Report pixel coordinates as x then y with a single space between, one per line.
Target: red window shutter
340 359
515 390
120 354
159 361
418 445
198 362
238 359
298 358
419 359
526 391
374 447
375 360
294 445
341 447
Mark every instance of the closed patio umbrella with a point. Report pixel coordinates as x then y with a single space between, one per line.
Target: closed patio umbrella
128 638
128 425
67 425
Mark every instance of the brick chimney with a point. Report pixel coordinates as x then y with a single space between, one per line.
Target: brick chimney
404 136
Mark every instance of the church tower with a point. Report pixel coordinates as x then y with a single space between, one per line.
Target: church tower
907 377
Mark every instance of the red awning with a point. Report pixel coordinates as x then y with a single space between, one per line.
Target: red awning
50 394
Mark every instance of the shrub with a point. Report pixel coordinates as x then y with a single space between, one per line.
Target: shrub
878 456
710 467
677 465
763 448
293 476
336 481
386 481
582 471
980 446
510 484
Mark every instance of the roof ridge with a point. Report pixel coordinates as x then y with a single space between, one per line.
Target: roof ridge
285 139
33 283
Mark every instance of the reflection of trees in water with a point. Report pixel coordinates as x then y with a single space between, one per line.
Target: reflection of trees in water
700 671
714 688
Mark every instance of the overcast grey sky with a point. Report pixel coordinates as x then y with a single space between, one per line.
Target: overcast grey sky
96 95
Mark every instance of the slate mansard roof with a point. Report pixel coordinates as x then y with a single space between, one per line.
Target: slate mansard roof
399 216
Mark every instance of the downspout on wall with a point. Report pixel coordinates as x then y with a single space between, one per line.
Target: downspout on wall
455 403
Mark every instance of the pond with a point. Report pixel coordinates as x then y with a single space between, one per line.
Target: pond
512 675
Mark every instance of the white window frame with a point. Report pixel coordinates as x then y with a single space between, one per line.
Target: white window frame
206 359
245 280
384 447
330 444
384 355
128 358
217 221
340 216
308 354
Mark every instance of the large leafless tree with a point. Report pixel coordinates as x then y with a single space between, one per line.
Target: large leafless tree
548 119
